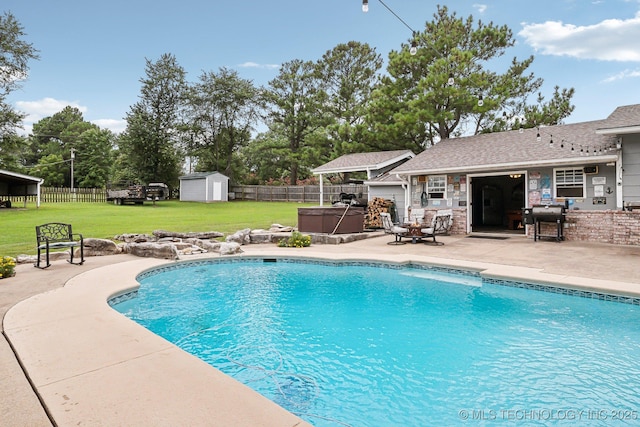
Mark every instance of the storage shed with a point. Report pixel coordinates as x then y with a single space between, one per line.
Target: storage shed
204 187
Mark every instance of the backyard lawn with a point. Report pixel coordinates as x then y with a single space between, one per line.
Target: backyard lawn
105 220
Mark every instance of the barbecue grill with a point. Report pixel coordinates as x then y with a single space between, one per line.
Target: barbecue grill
548 214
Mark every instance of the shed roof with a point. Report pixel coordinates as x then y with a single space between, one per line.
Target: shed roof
364 161
516 149
201 175
14 178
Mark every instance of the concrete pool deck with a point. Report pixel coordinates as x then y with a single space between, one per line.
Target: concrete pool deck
91 366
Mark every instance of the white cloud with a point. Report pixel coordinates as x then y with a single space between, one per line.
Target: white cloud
115 126
480 7
626 74
37 110
609 40
46 107
256 65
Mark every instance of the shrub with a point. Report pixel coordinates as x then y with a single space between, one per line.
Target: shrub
297 240
7 266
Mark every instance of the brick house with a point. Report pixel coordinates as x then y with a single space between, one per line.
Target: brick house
593 168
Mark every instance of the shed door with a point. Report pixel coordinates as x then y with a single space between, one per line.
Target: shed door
217 190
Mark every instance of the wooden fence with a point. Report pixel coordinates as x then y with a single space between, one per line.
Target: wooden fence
293 193
263 193
62 195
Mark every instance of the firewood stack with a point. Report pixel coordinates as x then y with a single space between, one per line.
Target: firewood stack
375 207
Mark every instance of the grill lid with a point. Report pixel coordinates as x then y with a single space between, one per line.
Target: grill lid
548 211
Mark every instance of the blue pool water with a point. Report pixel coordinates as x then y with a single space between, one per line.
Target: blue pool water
362 345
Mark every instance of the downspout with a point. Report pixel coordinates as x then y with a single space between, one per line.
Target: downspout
407 194
619 170
321 191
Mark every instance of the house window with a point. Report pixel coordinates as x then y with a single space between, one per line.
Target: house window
569 183
437 186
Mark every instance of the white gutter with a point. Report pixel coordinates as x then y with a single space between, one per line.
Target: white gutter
618 131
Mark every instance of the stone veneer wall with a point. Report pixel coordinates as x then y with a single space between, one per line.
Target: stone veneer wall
609 226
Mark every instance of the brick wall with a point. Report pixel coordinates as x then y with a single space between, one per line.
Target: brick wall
605 226
459 225
609 226
617 227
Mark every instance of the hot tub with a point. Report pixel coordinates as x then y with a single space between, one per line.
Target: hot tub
321 219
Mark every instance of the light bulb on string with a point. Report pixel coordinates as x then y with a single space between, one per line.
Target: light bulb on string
451 81
365 6
480 101
538 137
551 141
414 48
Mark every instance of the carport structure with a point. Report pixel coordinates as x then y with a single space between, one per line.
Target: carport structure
13 184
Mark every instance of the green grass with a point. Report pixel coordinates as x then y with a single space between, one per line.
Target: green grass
106 220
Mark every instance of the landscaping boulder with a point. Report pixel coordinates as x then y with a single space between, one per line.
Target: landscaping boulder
136 238
152 250
229 248
26 259
242 237
100 247
279 228
191 235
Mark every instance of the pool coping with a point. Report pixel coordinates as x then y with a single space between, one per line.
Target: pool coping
89 364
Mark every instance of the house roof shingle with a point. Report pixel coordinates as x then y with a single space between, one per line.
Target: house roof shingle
515 149
363 161
625 119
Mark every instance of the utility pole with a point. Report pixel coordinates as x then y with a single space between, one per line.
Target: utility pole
73 156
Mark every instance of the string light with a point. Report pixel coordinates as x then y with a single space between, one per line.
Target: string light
414 47
585 150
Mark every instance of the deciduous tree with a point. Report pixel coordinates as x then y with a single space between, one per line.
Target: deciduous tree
149 149
222 111
15 54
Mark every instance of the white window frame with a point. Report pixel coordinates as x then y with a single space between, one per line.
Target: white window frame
573 183
440 188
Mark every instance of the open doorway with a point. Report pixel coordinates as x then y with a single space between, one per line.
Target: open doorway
497 202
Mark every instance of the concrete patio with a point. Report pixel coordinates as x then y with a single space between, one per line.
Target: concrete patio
91 366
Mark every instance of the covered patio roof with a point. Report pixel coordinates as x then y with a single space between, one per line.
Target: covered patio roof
17 184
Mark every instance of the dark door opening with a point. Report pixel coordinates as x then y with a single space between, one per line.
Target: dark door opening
496 203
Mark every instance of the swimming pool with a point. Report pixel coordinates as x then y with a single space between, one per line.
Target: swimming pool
370 344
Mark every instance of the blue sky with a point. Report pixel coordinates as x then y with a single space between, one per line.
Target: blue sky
92 54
